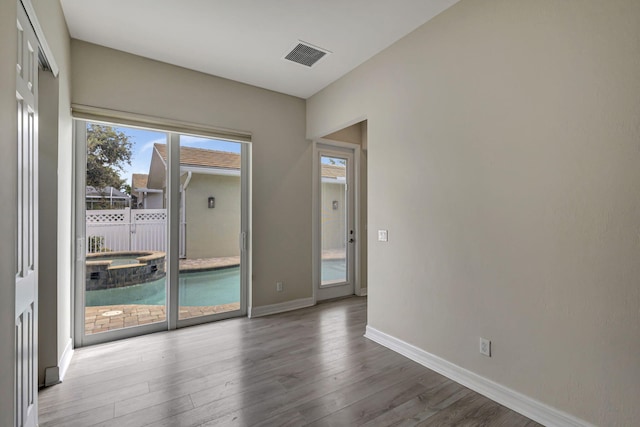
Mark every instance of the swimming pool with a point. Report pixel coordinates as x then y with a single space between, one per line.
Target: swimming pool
123 261
203 288
334 270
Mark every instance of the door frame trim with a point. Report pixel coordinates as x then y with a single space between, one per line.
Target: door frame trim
47 54
315 214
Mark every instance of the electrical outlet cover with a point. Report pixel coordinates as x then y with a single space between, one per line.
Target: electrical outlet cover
485 347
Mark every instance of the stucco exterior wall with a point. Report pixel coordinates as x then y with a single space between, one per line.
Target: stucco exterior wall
333 224
213 233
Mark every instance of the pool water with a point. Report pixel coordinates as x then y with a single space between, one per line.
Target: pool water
203 288
122 261
210 287
334 270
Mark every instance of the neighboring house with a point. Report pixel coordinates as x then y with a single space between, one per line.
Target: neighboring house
205 232
213 232
333 202
106 198
142 196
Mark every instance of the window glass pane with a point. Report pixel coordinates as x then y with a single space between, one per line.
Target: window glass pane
210 218
333 220
126 223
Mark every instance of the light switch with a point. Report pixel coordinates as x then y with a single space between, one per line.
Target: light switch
383 235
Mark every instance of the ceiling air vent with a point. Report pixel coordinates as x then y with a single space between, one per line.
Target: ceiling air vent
305 54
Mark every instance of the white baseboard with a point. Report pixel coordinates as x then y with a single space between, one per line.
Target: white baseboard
65 360
530 408
55 374
265 310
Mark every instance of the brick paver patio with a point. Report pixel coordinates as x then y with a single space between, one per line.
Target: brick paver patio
110 317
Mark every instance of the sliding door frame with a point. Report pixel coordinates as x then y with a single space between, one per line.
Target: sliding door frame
244 242
79 337
171 321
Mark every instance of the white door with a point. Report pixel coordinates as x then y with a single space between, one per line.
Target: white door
336 215
26 304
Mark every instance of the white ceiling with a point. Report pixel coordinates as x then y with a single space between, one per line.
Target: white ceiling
246 40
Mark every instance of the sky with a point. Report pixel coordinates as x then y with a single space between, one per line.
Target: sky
142 147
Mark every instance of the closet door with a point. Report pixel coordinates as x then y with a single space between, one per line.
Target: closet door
26 303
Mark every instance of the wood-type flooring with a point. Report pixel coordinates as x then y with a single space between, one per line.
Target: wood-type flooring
305 367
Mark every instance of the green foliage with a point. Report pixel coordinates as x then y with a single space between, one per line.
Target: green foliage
108 151
96 244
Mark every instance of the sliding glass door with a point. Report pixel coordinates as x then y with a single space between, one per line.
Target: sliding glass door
211 239
160 229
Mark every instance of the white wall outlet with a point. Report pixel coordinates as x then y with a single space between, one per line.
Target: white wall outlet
383 235
485 347
279 286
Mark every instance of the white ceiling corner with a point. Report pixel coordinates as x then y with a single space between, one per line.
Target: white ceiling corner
246 40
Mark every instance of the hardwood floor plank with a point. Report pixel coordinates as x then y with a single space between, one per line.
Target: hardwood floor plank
384 401
262 413
151 414
82 418
305 367
239 418
148 400
338 399
423 406
472 410
91 402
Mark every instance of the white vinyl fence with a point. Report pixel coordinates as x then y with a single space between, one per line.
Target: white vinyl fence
126 230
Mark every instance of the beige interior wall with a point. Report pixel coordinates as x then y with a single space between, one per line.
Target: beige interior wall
352 134
213 232
55 198
8 174
504 161
281 156
48 89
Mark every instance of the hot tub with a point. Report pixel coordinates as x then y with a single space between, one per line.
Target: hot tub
108 270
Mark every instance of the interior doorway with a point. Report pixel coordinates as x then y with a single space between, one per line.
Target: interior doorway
346 149
337 220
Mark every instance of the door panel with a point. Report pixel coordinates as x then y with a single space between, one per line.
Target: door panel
337 223
122 269
210 224
334 220
27 232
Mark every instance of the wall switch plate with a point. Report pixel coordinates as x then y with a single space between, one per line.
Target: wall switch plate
279 286
383 235
485 347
